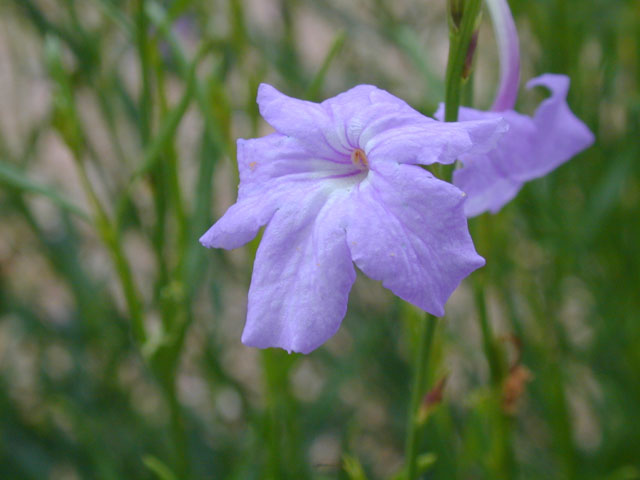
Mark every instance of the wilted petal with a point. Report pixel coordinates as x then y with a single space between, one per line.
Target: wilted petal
302 276
486 187
530 149
509 51
559 133
408 230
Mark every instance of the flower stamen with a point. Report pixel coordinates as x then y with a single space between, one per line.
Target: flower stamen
359 158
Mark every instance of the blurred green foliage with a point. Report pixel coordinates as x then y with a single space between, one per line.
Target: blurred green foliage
120 352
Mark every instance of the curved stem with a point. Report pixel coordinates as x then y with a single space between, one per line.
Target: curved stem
426 334
509 52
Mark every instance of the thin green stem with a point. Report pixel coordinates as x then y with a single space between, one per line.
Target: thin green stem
178 432
313 91
281 433
488 341
502 461
108 233
76 139
156 177
162 178
427 328
463 18
142 42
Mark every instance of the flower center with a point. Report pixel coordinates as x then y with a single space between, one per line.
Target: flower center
359 158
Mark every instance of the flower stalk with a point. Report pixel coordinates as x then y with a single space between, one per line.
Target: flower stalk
427 326
503 463
464 16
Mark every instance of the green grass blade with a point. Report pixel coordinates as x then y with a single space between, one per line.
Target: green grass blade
13 177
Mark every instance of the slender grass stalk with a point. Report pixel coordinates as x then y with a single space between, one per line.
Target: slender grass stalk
146 98
488 341
174 311
503 462
111 239
285 457
144 44
273 427
313 91
178 432
13 177
70 128
427 328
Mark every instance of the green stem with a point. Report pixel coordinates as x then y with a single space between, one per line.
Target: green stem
142 42
178 432
156 177
488 342
109 234
463 18
503 459
164 177
427 328
283 445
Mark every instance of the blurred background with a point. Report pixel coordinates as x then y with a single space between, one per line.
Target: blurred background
120 353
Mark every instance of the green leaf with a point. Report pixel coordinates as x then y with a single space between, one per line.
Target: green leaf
13 177
353 468
424 462
172 120
318 80
157 466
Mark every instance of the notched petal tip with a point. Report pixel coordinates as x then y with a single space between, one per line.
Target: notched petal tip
266 97
563 132
256 341
557 84
265 91
480 262
208 239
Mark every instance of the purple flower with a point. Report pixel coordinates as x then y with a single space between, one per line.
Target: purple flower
533 146
340 183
